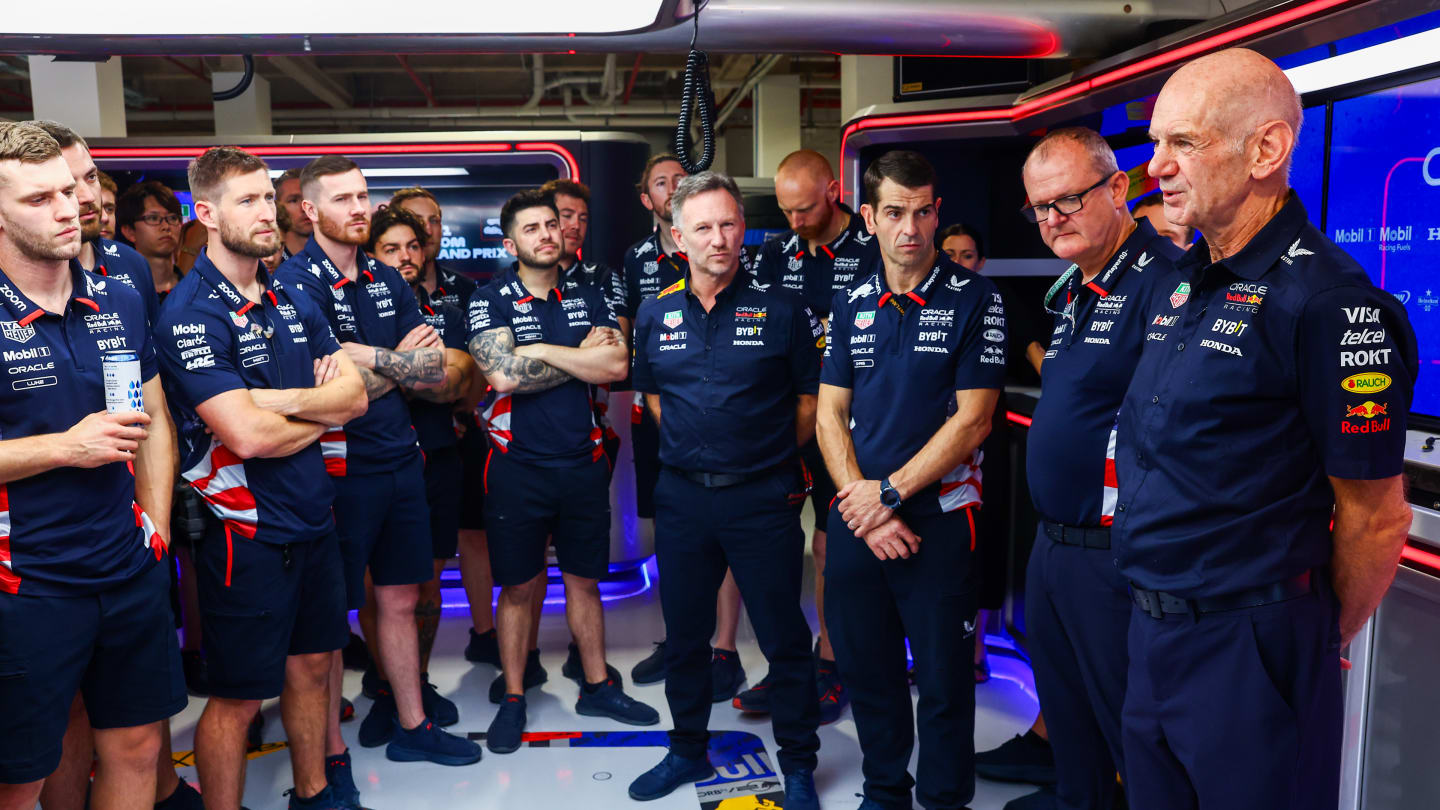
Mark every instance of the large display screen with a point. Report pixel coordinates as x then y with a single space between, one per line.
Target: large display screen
1384 206
472 242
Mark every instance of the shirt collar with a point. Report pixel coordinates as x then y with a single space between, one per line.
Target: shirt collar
24 311
1108 279
363 261
1261 253
511 275
741 280
237 303
921 293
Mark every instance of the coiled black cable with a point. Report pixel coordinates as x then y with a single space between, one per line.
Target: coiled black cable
697 93
239 89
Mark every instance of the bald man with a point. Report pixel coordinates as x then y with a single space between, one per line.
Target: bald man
1151 208
1261 512
825 250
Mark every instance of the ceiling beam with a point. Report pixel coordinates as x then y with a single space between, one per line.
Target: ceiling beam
314 80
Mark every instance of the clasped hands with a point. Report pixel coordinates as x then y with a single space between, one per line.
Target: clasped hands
872 521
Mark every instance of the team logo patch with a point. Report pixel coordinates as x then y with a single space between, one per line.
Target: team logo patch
673 319
1370 382
795 264
1180 296
1368 409
651 268
522 307
863 320
238 319
14 331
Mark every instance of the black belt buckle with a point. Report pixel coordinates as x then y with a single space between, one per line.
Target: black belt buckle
1149 601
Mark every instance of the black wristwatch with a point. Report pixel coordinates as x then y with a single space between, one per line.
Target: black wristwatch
889 495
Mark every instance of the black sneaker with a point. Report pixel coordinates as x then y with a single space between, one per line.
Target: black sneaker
355 655
428 743
756 699
726 675
484 648
1024 758
347 710
833 697
379 725
508 727
438 708
575 670
371 683
184 798
672 772
324 800
535 675
341 780
197 679
652 669
255 735
609 701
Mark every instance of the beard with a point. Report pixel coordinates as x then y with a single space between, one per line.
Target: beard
531 259
41 246
339 231
412 274
90 232
302 226
666 213
238 241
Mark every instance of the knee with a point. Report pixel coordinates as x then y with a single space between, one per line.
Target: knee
133 749
429 591
308 672
397 599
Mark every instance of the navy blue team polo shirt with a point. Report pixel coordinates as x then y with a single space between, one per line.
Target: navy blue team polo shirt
434 421
557 427
377 310
1098 333
649 269
122 263
786 260
903 369
1261 375
728 378
452 288
607 281
212 340
69 531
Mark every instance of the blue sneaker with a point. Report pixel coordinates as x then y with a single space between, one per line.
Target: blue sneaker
575 671
379 725
800 790
427 742
833 697
609 701
534 676
508 727
652 669
437 707
341 781
672 772
324 800
726 675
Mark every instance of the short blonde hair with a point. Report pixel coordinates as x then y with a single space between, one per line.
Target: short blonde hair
25 143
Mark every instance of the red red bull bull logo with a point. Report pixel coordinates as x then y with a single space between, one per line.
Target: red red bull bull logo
1368 411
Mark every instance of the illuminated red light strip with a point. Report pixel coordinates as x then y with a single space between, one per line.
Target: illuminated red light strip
557 149
317 149
1425 558
1018 418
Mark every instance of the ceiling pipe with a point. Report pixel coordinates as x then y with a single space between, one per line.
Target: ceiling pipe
415 78
732 101
537 75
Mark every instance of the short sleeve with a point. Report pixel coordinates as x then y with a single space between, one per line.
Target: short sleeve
836 368
980 356
613 286
317 330
765 263
485 313
603 309
301 281
641 377
807 340
631 282
1356 370
197 355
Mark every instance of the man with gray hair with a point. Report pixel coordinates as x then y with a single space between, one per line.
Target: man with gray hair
1261 509
729 369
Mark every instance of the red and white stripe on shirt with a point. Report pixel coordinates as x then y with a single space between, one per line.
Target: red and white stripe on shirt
961 487
1111 492
333 448
9 580
220 479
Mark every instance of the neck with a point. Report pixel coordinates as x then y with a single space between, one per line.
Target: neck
162 269
707 286
1225 239
346 257
430 276
240 271
87 257
539 280
45 281
1091 267
839 221
295 242
567 262
667 243
904 278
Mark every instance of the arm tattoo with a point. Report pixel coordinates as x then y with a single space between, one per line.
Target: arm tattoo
451 388
416 367
494 353
376 386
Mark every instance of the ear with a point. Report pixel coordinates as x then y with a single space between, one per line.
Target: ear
1275 142
1119 189
311 212
645 201
205 212
128 231
510 247
832 191
679 238
869 215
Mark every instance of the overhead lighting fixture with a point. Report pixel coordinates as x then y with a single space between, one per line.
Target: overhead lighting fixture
1395 56
286 17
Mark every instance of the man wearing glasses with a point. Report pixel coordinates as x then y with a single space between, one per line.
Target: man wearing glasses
1076 604
148 216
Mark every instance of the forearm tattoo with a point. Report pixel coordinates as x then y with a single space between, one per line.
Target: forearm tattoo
452 388
494 353
376 386
411 368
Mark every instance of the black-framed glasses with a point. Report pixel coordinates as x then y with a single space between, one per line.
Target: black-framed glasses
154 220
1067 205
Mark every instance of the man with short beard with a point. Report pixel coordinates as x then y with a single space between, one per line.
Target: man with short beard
288 199
380 507
442 283
108 190
398 239
86 501
255 377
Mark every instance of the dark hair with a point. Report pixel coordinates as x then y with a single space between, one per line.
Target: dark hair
650 164
282 218
130 206
961 229
208 172
63 135
1152 200
387 218
902 166
323 166
569 188
289 174
529 198
108 183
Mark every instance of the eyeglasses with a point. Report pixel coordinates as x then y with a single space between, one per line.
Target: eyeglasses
153 220
1067 205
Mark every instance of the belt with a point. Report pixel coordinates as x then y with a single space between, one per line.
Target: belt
1086 537
1159 603
716 480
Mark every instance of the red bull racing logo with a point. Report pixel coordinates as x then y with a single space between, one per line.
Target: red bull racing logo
1367 411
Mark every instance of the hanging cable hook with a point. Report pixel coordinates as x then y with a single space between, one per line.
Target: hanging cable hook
697 93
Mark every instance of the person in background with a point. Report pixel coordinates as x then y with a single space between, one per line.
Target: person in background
192 241
1152 208
290 212
108 190
148 216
